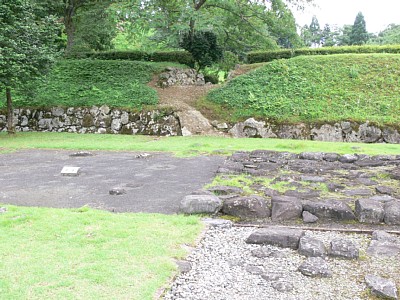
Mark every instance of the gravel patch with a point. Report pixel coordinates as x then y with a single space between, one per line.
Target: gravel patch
223 267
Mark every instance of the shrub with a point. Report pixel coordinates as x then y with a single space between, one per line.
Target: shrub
203 47
182 57
267 56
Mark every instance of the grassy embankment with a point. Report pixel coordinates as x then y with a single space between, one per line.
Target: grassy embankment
88 82
354 87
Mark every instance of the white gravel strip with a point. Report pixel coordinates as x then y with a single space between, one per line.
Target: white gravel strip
220 261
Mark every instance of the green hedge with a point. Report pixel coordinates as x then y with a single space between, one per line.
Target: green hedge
182 57
267 56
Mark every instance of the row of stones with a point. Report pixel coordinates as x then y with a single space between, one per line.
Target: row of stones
285 208
382 244
94 120
262 162
338 132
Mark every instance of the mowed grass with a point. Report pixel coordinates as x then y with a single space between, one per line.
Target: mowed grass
352 87
180 146
89 254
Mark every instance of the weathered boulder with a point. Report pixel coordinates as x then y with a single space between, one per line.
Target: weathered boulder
312 155
311 247
285 208
391 135
309 217
381 287
369 211
331 157
315 267
329 209
249 207
277 236
385 190
382 248
383 236
369 133
348 158
392 212
343 249
200 204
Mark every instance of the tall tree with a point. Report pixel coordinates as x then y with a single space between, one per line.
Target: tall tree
359 34
315 31
27 47
85 21
240 25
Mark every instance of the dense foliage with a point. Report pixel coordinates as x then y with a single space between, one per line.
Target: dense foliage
27 47
94 82
240 25
182 57
318 88
203 46
266 56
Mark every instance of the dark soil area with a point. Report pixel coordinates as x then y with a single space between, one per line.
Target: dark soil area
153 184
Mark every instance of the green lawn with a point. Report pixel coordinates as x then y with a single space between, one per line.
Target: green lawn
180 146
329 88
89 254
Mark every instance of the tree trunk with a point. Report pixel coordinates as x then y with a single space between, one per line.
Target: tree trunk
69 25
10 112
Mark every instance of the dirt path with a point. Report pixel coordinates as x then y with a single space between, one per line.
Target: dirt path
183 100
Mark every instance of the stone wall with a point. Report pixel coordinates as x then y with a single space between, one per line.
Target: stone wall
95 120
337 132
175 76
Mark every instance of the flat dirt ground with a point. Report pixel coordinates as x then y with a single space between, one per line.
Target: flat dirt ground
153 184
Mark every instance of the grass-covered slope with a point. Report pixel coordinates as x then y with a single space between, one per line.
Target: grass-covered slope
93 82
317 89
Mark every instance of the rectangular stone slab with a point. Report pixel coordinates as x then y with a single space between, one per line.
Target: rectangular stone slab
276 236
70 171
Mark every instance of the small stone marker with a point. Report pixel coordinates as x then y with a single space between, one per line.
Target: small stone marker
70 171
81 154
117 191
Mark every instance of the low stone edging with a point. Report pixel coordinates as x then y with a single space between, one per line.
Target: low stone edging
316 186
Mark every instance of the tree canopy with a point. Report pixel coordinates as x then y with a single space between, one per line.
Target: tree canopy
239 25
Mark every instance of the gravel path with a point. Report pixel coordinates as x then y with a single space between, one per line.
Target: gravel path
223 267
